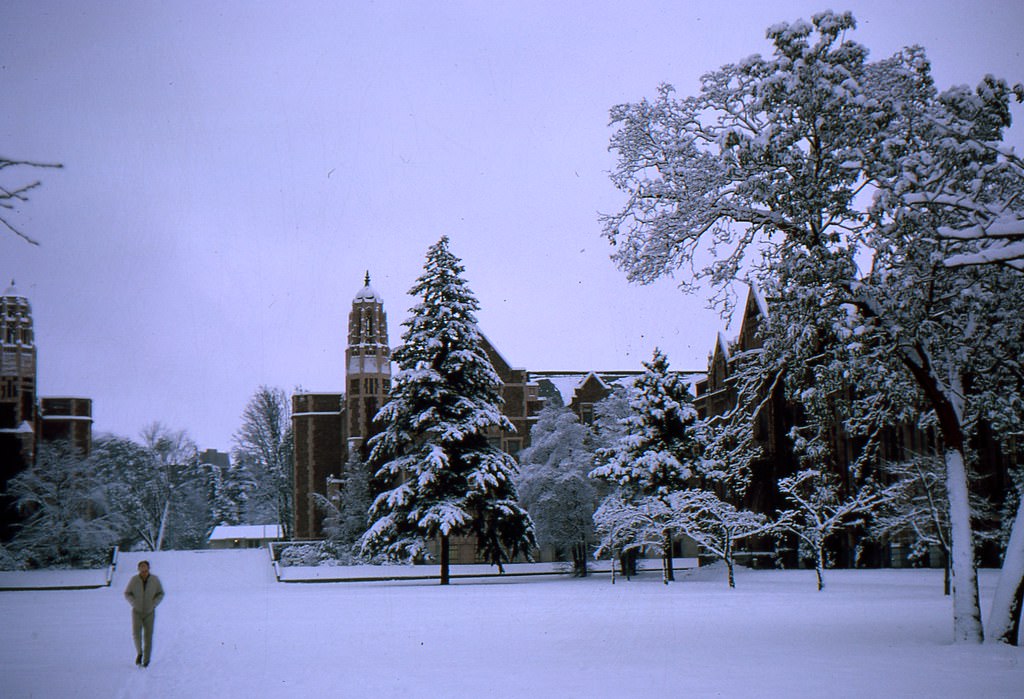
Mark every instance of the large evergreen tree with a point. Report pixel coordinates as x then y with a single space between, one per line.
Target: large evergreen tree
656 454
436 472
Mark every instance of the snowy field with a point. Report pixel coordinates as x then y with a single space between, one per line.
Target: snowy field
228 629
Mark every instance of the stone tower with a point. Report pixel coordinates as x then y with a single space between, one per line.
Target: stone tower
367 365
17 394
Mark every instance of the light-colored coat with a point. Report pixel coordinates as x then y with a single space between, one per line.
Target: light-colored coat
144 598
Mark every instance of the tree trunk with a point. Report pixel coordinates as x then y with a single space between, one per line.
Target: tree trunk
666 558
163 526
947 575
580 562
1004 617
445 559
729 564
819 565
627 563
966 607
947 399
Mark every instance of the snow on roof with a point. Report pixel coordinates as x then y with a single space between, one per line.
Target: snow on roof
565 384
759 299
367 293
724 344
494 349
226 532
12 290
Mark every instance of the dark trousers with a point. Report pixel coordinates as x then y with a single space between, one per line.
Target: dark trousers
142 633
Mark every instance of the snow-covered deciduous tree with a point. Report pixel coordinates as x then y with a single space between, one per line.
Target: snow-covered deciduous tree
610 415
180 489
554 486
158 490
716 525
658 449
67 520
626 527
14 194
969 176
263 447
819 511
436 472
795 168
133 491
918 508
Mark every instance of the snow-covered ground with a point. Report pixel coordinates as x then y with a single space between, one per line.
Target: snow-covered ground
228 629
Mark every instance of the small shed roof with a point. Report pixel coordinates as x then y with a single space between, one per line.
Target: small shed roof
226 532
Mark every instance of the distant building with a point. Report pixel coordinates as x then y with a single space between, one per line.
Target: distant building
215 458
68 419
243 536
17 397
25 419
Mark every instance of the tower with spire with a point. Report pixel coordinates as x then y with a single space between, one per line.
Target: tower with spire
367 364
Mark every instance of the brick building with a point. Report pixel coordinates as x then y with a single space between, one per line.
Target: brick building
25 419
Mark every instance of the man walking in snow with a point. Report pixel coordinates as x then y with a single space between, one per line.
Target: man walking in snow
144 593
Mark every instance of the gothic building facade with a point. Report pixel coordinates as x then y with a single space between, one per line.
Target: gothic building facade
329 428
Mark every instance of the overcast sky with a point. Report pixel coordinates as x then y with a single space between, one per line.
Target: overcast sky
233 168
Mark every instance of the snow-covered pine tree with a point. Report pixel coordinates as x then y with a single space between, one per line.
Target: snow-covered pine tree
657 453
436 472
229 490
554 486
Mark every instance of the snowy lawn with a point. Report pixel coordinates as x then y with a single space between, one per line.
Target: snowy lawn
228 629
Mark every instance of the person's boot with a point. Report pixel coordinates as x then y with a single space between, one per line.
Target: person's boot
138 659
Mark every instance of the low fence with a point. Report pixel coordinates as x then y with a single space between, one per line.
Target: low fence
60 578
419 572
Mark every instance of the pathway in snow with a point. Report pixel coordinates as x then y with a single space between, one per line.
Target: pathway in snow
228 630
